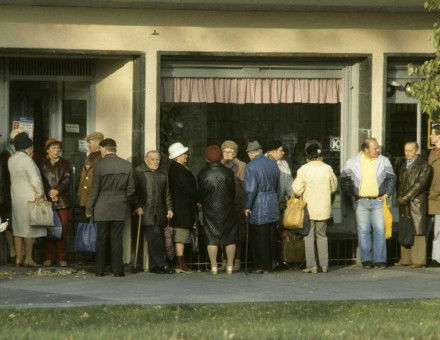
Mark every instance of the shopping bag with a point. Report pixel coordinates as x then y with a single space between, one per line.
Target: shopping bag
406 231
169 244
388 219
56 231
86 235
304 231
40 212
293 217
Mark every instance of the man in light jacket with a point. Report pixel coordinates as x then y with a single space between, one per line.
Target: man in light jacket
368 178
112 191
261 180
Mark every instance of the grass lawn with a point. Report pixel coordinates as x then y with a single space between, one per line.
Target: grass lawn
414 319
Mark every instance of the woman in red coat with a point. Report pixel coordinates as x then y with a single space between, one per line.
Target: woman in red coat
57 174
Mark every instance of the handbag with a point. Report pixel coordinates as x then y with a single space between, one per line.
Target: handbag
388 219
194 235
86 235
56 231
304 231
169 244
406 231
40 212
293 217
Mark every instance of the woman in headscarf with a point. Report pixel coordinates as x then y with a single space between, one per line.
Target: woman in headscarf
217 195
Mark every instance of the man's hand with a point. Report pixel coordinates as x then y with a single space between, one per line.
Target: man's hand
139 211
54 199
247 212
170 214
88 215
401 201
381 198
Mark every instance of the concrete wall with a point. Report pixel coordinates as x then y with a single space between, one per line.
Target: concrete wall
114 94
241 32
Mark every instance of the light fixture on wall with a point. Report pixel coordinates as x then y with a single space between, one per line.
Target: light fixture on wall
395 85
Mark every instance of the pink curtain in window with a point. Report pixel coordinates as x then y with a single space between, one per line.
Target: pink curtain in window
250 90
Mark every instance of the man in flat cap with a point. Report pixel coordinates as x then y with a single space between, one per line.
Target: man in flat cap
112 191
261 179
94 157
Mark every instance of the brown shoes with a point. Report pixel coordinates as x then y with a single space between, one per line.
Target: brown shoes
415 266
180 266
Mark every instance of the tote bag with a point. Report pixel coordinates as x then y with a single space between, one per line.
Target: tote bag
406 231
56 231
86 235
293 217
388 219
40 212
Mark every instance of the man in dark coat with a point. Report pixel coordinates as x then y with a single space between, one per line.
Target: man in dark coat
183 187
217 196
261 181
153 195
413 182
112 191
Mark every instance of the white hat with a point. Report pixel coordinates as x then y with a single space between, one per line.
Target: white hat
177 149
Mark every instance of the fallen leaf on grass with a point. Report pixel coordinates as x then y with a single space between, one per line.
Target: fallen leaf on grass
85 315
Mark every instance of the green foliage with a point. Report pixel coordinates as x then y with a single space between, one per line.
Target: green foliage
410 319
427 90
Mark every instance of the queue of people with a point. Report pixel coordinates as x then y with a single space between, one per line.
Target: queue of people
238 202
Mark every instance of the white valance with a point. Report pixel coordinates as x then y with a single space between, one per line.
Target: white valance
250 90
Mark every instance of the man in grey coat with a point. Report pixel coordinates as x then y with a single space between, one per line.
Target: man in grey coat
112 191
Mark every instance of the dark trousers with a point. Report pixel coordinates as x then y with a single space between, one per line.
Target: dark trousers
114 228
156 246
262 244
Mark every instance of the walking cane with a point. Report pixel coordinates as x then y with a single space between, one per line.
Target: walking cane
247 245
137 242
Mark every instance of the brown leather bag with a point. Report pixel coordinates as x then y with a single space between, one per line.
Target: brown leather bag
293 217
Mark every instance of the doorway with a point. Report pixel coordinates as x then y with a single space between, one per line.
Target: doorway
53 109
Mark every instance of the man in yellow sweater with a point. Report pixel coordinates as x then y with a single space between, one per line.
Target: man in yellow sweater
368 178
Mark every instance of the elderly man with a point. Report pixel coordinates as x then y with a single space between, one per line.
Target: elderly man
434 194
368 178
154 198
112 190
230 160
85 182
261 203
413 181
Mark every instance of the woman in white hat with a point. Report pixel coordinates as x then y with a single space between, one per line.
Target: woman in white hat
183 188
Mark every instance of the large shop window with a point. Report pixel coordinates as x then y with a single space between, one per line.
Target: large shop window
203 111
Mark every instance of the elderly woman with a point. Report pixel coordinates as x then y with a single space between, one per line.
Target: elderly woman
217 195
25 185
316 182
230 160
183 188
57 176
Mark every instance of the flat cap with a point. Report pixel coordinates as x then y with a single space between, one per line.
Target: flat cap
253 146
94 135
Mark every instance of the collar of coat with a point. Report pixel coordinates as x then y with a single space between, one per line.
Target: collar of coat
144 168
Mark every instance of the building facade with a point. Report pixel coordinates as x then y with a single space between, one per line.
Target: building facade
148 73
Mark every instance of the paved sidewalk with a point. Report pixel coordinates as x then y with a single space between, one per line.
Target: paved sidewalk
30 290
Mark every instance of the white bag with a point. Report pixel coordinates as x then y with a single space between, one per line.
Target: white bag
40 212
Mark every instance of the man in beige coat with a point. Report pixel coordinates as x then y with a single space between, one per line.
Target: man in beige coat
316 182
434 194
